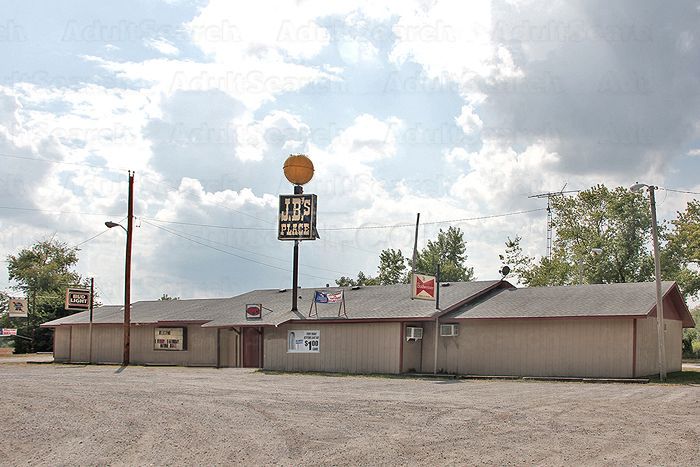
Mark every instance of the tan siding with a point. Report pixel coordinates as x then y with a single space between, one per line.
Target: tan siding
351 348
534 348
107 344
61 343
201 347
647 346
411 351
673 340
229 351
79 350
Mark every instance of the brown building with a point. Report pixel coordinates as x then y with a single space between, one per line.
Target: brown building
483 328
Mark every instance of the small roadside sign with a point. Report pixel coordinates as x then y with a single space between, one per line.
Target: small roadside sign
77 299
17 307
8 332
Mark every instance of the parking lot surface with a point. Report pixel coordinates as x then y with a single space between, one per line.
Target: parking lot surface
69 414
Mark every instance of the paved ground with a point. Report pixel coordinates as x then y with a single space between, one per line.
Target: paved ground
70 415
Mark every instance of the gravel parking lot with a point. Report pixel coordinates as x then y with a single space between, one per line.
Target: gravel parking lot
65 414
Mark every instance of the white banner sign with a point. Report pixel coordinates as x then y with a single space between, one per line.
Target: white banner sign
170 339
18 307
8 332
300 341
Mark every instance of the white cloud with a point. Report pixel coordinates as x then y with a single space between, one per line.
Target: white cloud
367 139
162 45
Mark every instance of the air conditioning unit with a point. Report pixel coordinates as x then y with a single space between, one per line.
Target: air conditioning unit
449 330
414 334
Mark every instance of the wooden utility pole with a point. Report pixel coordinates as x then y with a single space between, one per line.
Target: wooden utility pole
92 299
127 272
659 296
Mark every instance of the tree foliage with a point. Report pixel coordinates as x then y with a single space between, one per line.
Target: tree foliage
41 273
449 249
681 254
166 297
392 267
618 222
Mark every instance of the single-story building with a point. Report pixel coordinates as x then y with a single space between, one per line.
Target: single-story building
481 328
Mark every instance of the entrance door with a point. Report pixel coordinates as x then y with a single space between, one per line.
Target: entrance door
252 348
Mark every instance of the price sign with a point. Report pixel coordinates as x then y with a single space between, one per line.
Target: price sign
303 341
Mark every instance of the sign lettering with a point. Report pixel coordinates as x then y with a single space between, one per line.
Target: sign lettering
303 341
77 299
297 217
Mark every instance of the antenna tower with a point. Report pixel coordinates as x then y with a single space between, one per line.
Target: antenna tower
549 195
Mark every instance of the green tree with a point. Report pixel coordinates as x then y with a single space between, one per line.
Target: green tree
362 279
42 273
166 297
682 250
448 250
392 267
614 223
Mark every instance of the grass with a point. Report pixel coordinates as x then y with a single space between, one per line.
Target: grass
679 377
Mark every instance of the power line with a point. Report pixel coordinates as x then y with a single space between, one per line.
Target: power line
450 221
255 253
77 164
680 191
228 252
365 227
97 235
212 226
14 208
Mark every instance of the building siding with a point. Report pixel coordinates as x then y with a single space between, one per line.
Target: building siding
61 344
411 351
201 347
79 350
537 347
107 344
647 346
348 347
229 349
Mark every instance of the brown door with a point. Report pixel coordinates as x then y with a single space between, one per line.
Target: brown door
252 351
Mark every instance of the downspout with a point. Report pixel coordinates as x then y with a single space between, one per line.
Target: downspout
437 318
436 346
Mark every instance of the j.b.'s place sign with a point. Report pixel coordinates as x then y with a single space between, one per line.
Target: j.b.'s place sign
297 217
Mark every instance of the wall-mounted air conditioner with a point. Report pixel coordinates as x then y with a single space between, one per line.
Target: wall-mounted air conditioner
413 333
449 330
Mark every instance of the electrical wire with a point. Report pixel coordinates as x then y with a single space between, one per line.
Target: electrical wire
76 164
50 211
365 227
285 260
97 235
680 191
230 253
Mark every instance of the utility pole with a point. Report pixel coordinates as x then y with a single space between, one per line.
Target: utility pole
127 272
92 299
659 296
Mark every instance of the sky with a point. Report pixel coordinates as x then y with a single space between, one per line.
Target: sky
458 110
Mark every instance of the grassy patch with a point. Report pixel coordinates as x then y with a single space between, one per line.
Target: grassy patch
679 377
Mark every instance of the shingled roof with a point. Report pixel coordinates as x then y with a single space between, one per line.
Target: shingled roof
371 302
591 300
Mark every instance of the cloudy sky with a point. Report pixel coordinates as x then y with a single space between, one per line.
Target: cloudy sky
453 109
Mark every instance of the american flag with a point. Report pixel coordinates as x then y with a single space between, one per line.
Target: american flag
328 297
